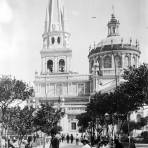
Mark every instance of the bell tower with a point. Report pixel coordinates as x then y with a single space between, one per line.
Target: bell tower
55 54
113 26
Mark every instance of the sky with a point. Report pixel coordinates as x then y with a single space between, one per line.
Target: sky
22 25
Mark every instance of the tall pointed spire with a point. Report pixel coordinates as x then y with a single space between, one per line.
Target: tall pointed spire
46 23
55 16
62 19
54 35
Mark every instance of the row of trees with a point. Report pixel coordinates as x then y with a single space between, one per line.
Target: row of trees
129 96
27 120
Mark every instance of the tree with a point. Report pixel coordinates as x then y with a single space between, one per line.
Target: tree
137 79
47 117
10 91
131 125
129 96
21 121
83 121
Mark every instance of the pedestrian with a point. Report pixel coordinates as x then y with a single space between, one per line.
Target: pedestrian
118 144
77 139
132 144
29 142
67 138
10 145
85 143
71 138
54 141
34 138
63 137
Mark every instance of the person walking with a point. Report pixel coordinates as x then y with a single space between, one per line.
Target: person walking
10 145
85 143
132 144
29 142
118 144
77 139
67 138
54 141
63 137
71 138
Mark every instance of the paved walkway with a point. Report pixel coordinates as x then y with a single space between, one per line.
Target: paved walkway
141 145
63 145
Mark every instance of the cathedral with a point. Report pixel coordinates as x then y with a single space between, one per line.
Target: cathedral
57 84
111 56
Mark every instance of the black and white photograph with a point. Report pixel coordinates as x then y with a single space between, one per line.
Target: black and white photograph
73 73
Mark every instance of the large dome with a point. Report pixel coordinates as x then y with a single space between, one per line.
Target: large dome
113 51
115 43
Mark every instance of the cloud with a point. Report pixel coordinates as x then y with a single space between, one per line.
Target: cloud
6 15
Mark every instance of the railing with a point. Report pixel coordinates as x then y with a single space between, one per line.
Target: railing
110 71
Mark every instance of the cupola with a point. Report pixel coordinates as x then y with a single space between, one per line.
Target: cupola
113 26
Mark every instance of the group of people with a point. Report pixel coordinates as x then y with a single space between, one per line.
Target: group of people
86 140
69 138
106 142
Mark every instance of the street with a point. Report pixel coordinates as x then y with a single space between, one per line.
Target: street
65 145
141 145
79 146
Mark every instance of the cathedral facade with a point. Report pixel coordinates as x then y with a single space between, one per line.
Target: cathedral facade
56 83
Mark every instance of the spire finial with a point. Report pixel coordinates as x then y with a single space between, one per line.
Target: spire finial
55 15
113 9
45 27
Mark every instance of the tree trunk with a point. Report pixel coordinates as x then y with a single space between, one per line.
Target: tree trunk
20 141
6 138
44 142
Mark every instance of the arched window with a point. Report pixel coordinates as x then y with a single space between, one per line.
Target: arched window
118 61
58 40
126 61
107 62
52 40
50 65
114 30
91 65
134 61
99 61
61 65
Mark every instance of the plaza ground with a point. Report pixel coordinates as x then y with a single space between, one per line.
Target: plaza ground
65 145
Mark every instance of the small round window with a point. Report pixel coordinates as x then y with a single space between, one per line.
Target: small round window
52 40
58 40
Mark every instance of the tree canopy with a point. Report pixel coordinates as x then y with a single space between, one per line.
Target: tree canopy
129 96
47 118
21 121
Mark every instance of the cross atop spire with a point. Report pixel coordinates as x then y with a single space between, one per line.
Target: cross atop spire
113 9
